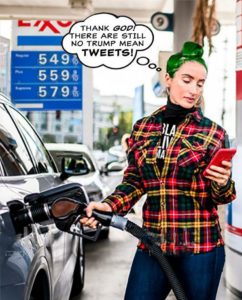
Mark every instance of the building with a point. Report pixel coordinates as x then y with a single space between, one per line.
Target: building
4 65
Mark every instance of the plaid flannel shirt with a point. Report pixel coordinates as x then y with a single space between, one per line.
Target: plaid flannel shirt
181 206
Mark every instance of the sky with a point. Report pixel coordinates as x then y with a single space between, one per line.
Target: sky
5 28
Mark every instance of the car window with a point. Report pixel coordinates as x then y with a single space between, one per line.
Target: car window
88 162
44 163
58 155
15 159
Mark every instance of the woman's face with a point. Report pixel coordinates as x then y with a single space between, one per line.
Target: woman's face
186 86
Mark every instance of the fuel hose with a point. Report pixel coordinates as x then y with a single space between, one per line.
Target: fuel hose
122 223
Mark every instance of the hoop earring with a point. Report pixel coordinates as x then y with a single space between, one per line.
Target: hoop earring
200 103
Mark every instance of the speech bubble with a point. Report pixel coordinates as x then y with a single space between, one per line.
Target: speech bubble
105 39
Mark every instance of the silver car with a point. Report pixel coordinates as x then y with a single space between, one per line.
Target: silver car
38 262
79 158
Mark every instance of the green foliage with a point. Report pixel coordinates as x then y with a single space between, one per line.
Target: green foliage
49 138
125 122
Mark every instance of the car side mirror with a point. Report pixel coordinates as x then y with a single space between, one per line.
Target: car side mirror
73 166
111 167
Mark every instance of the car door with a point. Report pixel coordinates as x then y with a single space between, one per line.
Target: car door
29 169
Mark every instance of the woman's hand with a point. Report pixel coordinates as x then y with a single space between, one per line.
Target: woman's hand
220 174
89 220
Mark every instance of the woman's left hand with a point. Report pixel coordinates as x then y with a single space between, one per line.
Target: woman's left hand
220 175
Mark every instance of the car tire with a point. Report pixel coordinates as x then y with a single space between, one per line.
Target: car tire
79 272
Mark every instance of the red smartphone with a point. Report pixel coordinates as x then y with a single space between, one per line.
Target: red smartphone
220 155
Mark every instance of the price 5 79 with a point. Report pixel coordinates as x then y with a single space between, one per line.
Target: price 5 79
53 91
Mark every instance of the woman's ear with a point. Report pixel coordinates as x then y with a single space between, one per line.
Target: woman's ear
167 80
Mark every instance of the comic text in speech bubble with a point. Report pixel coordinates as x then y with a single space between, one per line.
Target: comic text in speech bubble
107 40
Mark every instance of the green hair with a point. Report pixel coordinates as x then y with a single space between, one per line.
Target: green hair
190 52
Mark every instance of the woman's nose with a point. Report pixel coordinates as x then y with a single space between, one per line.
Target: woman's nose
194 89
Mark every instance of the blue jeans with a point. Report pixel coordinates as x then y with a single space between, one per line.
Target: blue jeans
199 274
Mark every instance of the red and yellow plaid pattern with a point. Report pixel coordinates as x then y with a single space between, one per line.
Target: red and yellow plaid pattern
181 206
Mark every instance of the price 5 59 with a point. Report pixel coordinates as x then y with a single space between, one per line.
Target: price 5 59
53 75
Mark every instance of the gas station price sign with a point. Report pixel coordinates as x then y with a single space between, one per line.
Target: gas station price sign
46 79
43 76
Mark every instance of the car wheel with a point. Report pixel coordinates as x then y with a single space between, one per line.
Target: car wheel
79 272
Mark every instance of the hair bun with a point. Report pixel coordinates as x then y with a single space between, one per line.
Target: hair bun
191 49
190 52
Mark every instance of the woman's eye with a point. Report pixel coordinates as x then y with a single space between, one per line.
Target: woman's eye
186 81
200 85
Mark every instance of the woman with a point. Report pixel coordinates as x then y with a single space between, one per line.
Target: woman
168 152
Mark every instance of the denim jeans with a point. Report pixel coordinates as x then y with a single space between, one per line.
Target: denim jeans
199 274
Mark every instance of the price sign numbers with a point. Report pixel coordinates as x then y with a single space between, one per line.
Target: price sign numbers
54 75
53 59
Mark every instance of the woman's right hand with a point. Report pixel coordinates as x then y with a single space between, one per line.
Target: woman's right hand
89 220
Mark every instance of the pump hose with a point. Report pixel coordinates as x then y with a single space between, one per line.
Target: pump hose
155 250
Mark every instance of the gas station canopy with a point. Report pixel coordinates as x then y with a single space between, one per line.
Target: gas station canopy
80 9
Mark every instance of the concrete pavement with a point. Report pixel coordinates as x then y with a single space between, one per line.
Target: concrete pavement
107 267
